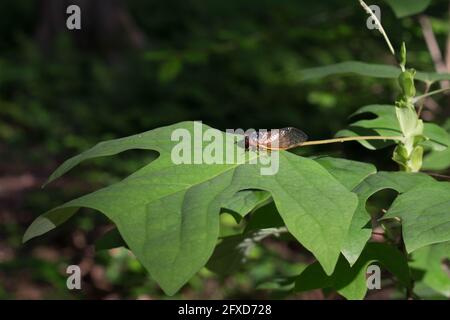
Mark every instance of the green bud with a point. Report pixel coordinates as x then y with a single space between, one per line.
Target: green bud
401 154
401 103
415 162
400 157
403 55
419 139
406 82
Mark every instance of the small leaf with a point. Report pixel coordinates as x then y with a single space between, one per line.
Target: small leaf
350 281
359 233
47 222
246 201
429 261
437 160
425 214
169 70
386 124
404 8
439 139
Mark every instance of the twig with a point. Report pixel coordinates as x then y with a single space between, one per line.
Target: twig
378 23
422 98
427 94
433 47
410 287
336 140
438 175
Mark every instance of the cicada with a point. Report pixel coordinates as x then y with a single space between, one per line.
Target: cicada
275 139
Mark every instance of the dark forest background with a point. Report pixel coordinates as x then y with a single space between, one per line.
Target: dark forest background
137 65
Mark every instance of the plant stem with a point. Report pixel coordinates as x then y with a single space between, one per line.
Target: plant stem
410 288
421 98
427 94
378 23
336 140
437 175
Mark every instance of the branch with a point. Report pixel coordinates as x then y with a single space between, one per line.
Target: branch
433 48
421 98
440 176
337 140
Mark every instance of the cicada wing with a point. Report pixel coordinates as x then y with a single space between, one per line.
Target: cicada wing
290 137
277 139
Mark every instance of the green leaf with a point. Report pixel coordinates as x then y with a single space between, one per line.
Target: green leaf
169 214
282 284
439 139
437 160
429 262
264 217
404 8
364 69
359 232
48 221
110 240
425 214
349 173
246 201
386 124
170 69
350 281
229 255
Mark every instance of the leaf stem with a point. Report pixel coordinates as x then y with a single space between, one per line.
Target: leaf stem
438 175
421 98
337 140
410 287
427 94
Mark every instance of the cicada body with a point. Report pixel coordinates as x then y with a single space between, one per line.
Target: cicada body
276 139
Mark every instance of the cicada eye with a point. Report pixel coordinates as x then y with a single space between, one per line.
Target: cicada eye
246 142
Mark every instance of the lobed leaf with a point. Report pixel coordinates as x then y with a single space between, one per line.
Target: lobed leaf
360 232
429 263
246 201
386 124
425 214
169 214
